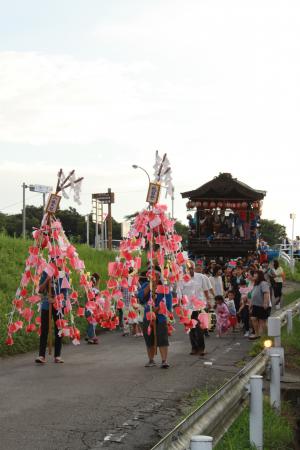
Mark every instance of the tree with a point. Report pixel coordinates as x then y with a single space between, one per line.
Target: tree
272 232
74 224
182 230
130 217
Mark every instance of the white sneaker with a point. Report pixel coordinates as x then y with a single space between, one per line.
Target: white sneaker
247 334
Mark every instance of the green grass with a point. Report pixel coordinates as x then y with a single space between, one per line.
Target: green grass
278 432
13 253
194 400
291 344
291 297
258 345
293 276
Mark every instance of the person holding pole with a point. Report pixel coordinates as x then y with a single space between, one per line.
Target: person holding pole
155 327
50 287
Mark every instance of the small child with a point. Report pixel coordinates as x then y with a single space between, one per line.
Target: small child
91 328
231 307
222 312
244 310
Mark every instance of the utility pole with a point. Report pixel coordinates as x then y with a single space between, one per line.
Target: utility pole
87 219
293 217
109 223
172 202
96 226
24 186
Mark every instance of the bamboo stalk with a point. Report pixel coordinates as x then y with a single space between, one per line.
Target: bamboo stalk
50 320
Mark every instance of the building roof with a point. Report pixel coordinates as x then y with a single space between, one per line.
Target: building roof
225 187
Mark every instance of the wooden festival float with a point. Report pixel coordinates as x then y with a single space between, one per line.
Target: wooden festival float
226 217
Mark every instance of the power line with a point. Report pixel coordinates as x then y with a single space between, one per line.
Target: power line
17 203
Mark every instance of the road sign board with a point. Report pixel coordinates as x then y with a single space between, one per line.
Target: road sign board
105 197
40 188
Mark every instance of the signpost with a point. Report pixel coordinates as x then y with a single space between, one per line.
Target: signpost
42 190
34 188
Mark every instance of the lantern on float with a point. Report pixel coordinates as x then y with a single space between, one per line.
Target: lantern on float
188 205
233 205
220 204
238 205
244 204
205 204
193 204
198 204
227 204
212 205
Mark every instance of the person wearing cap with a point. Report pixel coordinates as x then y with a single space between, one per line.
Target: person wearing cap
155 331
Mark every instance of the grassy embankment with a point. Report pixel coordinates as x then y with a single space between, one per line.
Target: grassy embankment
278 430
293 276
13 253
258 346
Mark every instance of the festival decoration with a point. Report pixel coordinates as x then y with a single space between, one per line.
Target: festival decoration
51 252
162 173
152 232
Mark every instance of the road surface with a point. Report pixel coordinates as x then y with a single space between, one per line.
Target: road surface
103 396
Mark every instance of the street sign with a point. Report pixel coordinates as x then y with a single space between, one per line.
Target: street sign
40 188
105 197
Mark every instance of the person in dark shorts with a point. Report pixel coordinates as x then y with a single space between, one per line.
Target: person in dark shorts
261 304
155 330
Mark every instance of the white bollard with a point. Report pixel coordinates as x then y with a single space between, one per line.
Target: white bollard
256 411
289 316
275 382
274 330
201 443
278 351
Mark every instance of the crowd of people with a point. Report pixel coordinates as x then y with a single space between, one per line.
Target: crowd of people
218 297
220 224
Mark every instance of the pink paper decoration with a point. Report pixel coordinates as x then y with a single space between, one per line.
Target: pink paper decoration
65 283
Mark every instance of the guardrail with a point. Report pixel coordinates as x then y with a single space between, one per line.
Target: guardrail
216 415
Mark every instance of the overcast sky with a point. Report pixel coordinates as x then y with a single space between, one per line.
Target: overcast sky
100 85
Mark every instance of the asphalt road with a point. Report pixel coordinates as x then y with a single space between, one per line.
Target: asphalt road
103 396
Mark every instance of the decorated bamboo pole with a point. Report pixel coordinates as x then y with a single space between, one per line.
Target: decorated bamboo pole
50 318
152 199
52 206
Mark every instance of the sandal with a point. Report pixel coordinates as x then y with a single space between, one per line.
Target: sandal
40 360
58 360
92 341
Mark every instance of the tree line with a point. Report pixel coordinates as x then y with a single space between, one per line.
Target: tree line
74 225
